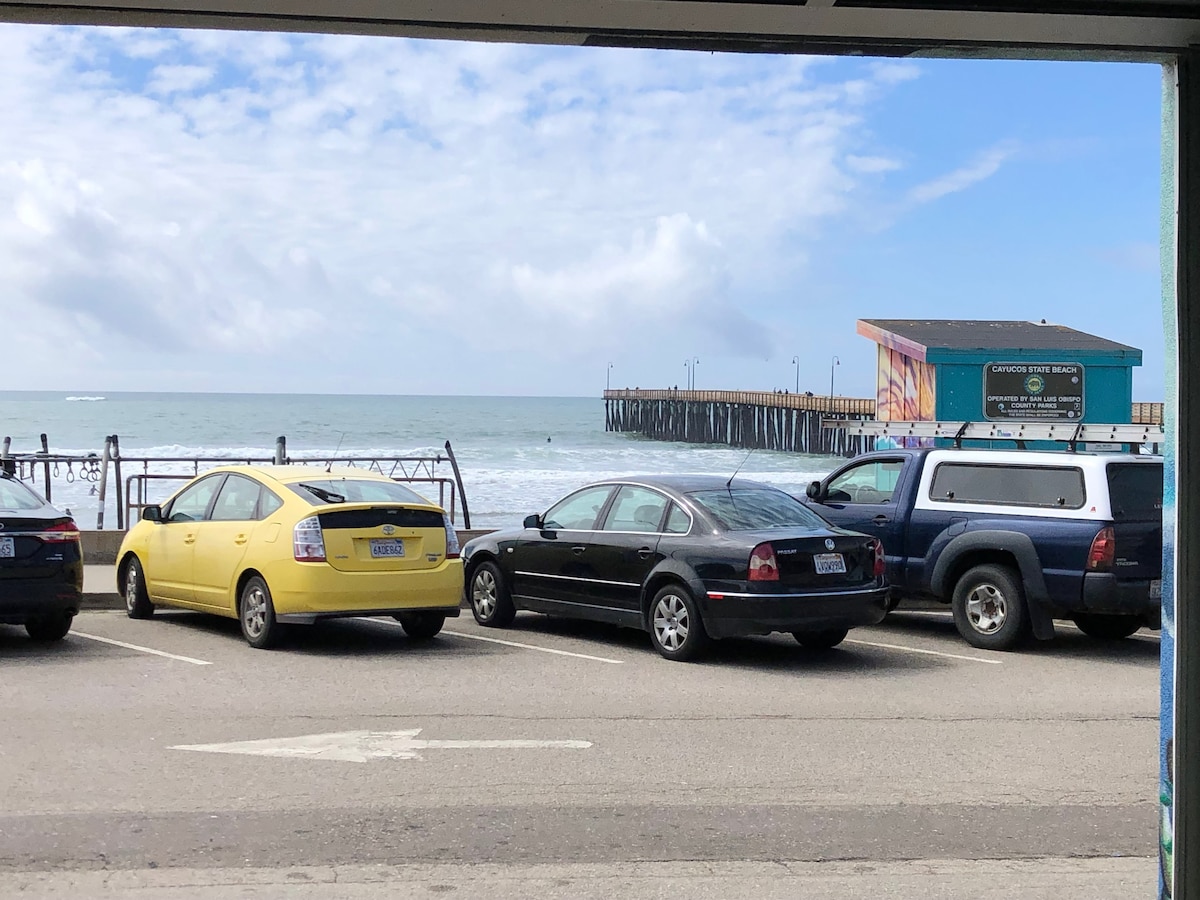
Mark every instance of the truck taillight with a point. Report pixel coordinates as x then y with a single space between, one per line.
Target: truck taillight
60 533
452 547
1103 552
763 566
307 541
880 565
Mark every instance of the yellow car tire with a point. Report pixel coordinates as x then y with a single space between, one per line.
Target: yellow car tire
256 613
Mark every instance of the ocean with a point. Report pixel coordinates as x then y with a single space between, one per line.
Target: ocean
517 455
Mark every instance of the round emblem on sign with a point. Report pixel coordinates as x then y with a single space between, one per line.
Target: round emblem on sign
389 529
1035 384
829 545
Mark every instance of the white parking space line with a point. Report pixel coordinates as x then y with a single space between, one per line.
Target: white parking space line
1144 638
1058 623
140 649
492 640
978 659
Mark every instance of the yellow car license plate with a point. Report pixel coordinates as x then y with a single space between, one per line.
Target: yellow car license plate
383 548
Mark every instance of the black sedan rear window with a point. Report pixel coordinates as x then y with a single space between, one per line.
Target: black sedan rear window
14 495
751 509
354 490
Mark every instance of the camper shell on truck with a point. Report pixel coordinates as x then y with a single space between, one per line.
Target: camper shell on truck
1011 539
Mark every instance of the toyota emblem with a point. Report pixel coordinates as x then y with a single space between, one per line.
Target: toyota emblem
829 545
389 529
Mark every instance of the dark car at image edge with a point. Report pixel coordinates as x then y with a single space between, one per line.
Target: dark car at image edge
687 558
41 563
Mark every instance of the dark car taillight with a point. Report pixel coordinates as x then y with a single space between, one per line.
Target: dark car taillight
880 565
60 533
1103 551
763 566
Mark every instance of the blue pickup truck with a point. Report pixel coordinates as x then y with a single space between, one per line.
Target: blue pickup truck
1011 539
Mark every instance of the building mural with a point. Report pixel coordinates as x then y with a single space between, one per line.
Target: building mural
906 388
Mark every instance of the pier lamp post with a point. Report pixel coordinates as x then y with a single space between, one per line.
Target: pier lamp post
608 377
832 368
695 362
687 378
796 363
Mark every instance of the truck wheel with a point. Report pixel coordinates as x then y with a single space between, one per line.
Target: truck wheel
1107 628
989 608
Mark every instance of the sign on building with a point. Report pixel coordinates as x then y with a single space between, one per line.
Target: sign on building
1033 391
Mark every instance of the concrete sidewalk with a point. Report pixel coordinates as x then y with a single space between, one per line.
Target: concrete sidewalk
1033 879
100 588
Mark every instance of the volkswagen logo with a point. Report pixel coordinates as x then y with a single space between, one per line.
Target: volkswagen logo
389 529
829 545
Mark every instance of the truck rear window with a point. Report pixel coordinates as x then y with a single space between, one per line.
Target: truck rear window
1136 491
1052 487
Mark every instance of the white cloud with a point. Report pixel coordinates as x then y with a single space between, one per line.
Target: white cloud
872 165
253 200
983 167
176 79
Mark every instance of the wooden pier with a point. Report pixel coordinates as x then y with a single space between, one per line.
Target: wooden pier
760 420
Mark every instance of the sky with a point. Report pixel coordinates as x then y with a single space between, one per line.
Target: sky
210 211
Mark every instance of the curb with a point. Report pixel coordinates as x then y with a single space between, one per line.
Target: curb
101 601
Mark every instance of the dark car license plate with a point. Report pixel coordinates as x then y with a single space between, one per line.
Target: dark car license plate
829 563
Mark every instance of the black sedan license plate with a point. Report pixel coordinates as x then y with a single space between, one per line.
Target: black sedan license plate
7 548
386 548
829 563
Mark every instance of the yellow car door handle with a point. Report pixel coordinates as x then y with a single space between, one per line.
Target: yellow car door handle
240 539
190 539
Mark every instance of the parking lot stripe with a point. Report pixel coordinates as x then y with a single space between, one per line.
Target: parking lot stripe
104 640
492 640
978 659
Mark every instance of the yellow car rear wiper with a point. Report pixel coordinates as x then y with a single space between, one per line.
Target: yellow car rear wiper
322 494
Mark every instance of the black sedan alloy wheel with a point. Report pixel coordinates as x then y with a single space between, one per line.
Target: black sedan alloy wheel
675 626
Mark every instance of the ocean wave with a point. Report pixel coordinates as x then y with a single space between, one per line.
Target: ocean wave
85 399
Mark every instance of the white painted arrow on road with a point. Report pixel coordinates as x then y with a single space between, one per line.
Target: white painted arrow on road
362 746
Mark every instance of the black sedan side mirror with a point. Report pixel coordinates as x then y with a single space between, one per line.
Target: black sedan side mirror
814 490
534 521
152 514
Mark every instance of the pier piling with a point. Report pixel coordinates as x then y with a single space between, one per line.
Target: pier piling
758 420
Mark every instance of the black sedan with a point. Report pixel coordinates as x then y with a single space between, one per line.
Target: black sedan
688 558
41 563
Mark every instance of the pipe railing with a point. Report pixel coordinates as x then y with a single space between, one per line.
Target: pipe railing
43 469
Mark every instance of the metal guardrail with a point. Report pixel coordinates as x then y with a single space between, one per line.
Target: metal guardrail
42 469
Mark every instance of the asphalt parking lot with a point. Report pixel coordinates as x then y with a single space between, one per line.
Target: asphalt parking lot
165 758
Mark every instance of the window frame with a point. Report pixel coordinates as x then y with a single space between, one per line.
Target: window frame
1027 504
615 498
600 514
169 509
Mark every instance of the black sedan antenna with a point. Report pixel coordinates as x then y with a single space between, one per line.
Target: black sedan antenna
738 469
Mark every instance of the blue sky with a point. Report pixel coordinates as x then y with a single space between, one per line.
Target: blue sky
212 211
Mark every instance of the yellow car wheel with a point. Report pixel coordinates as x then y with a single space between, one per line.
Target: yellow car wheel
421 626
256 612
137 601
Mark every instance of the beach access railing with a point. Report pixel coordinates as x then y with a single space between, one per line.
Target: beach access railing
134 490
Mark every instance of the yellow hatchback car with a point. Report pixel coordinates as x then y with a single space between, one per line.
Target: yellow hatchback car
273 545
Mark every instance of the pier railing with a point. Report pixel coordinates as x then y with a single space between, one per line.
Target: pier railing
131 479
762 420
766 420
